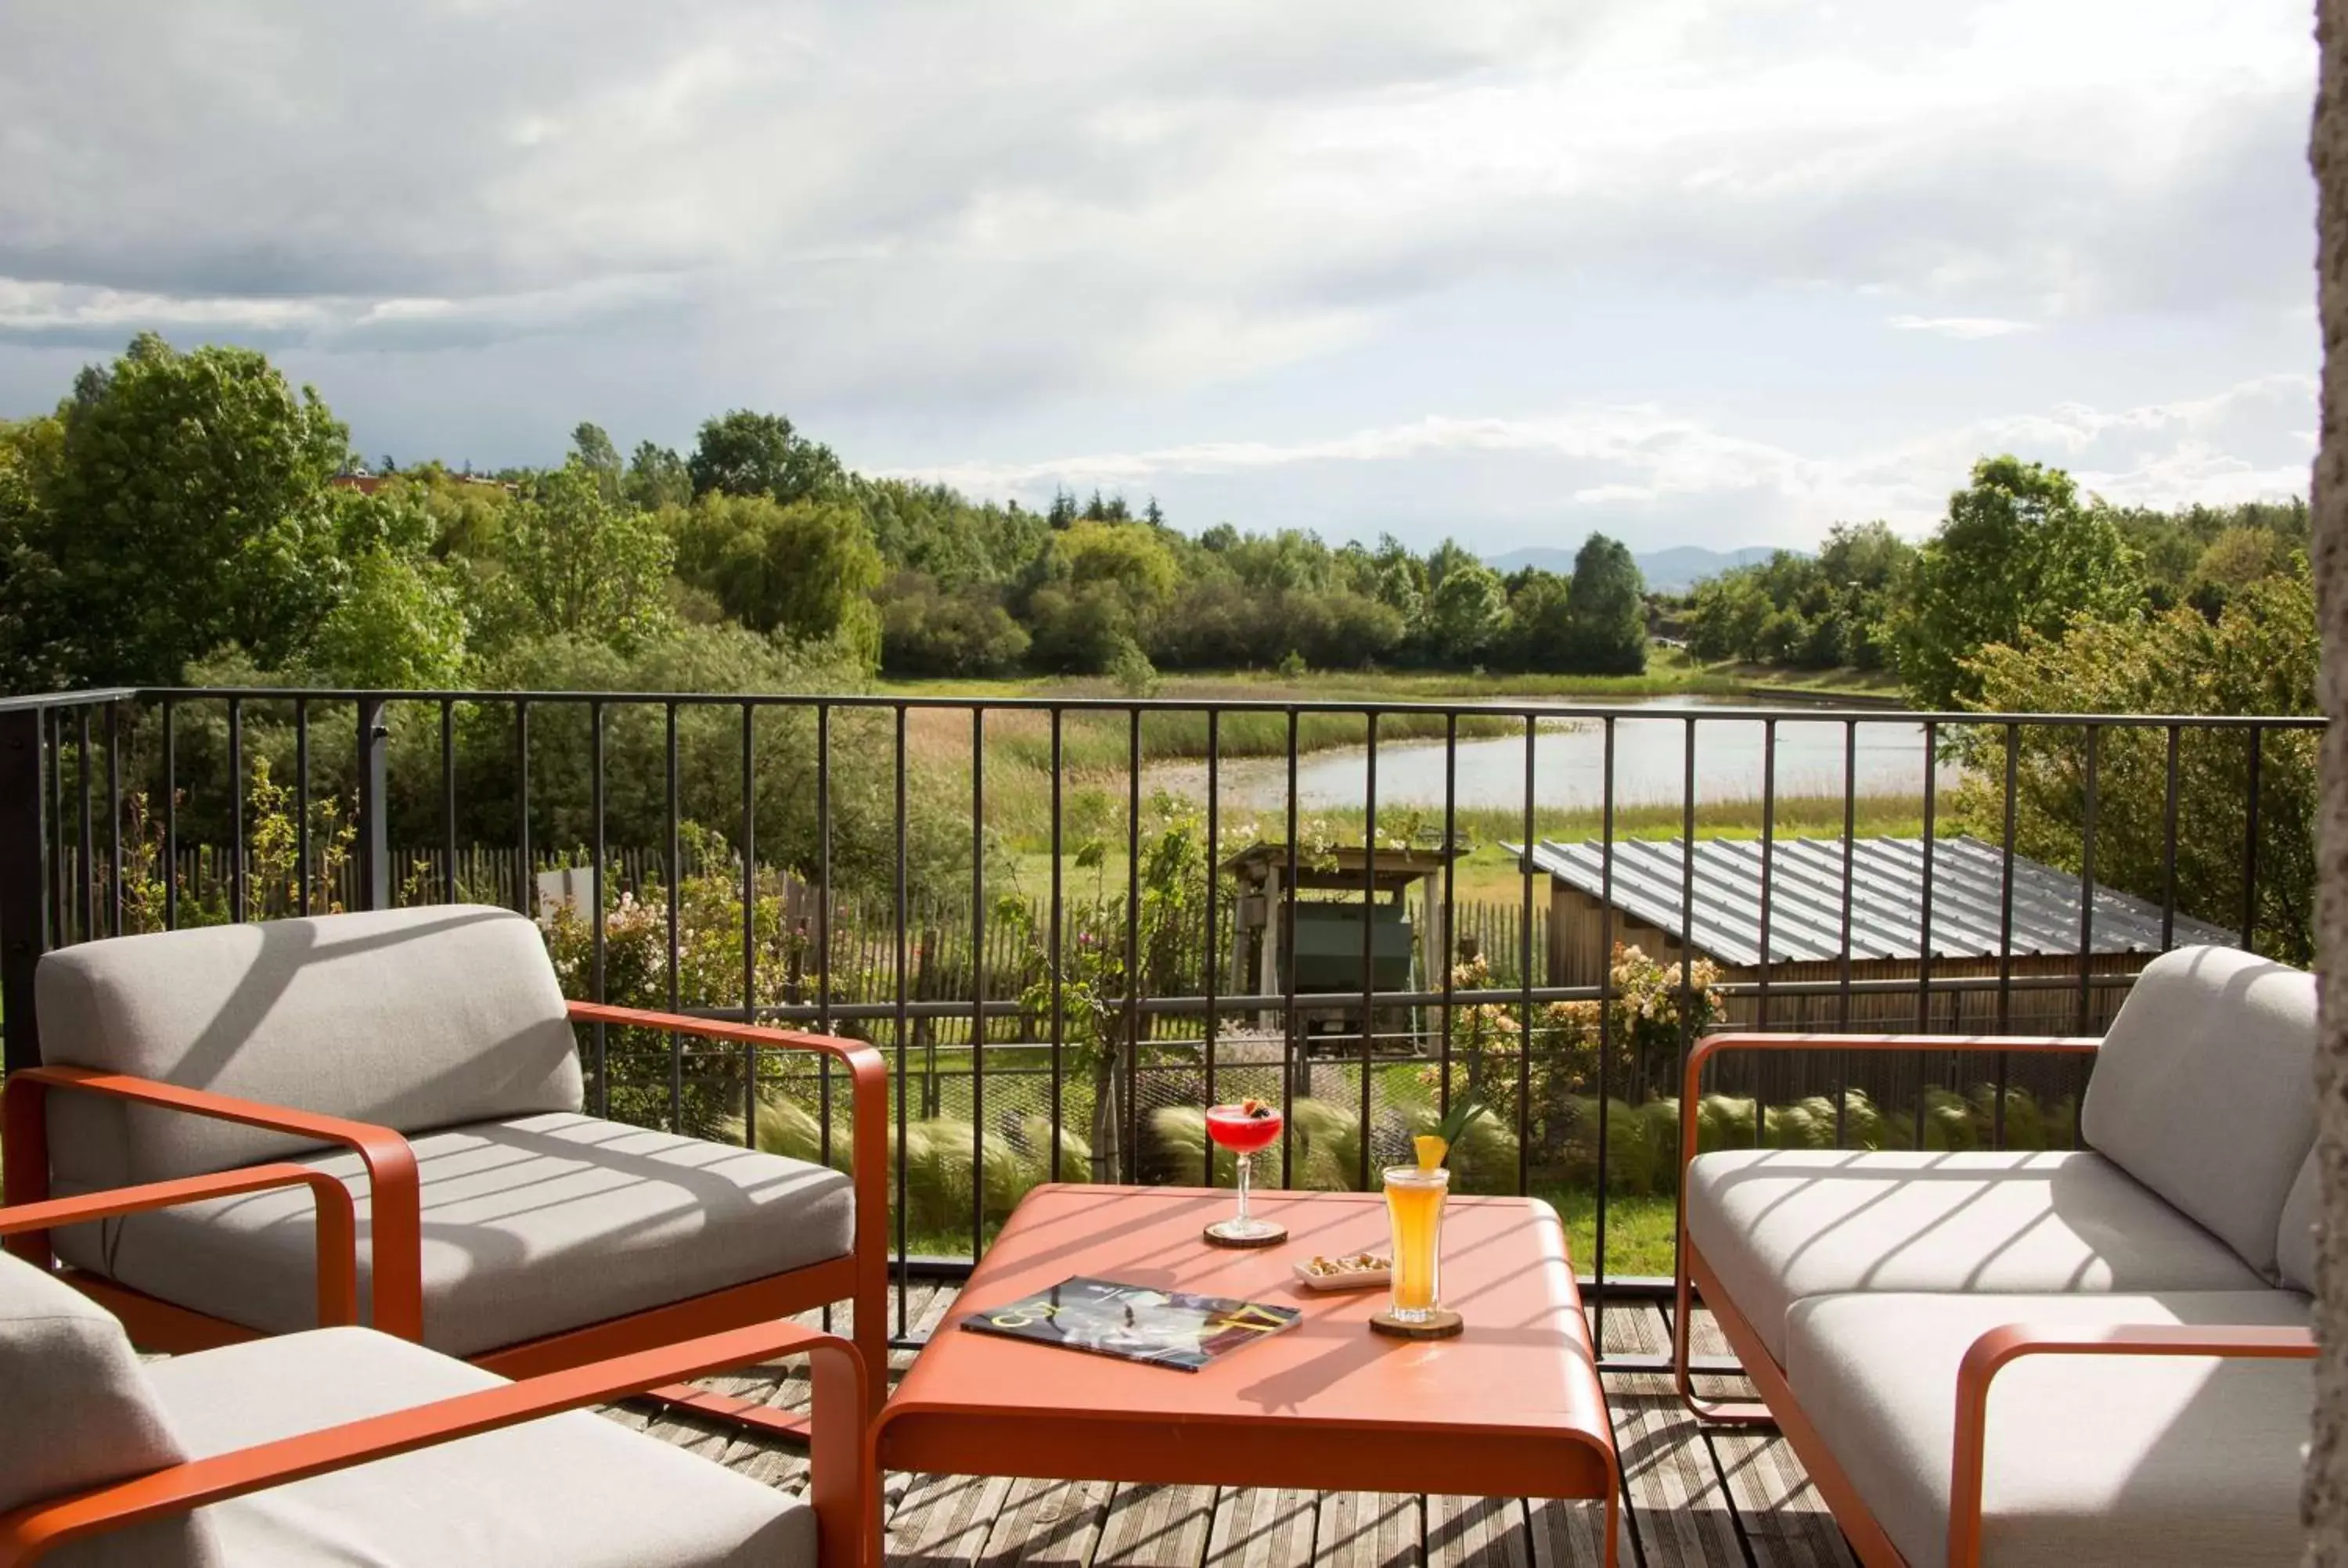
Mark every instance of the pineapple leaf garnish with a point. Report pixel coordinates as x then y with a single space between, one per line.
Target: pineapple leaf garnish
1464 1109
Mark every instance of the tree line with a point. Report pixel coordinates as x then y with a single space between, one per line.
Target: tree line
2019 557
180 512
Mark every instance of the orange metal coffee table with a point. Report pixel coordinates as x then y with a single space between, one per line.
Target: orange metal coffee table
1512 1408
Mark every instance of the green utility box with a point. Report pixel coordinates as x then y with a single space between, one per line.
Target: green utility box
1328 957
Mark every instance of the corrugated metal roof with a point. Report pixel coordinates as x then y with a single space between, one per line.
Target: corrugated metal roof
1887 879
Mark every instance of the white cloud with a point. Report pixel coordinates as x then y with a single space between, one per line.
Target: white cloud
1962 326
1058 226
2158 455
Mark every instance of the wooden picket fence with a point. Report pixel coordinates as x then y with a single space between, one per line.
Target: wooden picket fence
948 953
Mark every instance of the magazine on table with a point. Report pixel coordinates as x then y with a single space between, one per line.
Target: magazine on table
1134 1322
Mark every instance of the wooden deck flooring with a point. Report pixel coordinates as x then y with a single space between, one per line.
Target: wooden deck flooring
1695 1500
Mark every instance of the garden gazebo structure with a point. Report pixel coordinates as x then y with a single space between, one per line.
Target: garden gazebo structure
1328 929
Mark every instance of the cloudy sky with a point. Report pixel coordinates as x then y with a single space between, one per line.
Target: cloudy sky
1691 273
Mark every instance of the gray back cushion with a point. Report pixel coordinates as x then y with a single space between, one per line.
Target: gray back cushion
412 1019
80 1411
2295 1238
2205 1091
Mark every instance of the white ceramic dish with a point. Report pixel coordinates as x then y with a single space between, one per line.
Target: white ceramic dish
1351 1279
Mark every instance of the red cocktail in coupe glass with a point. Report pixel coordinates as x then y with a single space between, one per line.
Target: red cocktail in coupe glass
1245 1129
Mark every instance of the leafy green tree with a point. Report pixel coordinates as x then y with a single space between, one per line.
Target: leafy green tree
594 448
186 508
1607 608
1539 629
400 623
656 477
29 586
1466 612
927 631
746 454
2259 656
805 571
573 563
942 534
2017 554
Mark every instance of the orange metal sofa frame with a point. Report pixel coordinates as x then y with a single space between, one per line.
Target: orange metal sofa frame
845 1533
397 1226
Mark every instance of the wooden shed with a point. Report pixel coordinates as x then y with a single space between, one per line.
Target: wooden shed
1971 941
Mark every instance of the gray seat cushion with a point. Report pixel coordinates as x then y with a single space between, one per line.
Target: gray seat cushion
578 1490
76 1408
411 1018
1779 1225
2091 1461
2205 1091
531 1226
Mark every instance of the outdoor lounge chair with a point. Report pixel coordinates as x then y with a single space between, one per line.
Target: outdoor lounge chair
2083 1357
345 1445
426 1057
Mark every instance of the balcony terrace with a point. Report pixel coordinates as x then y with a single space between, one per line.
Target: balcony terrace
1026 907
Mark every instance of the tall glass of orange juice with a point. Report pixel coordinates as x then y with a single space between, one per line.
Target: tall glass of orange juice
1415 1207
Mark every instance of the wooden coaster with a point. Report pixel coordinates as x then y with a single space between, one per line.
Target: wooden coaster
1445 1325
1273 1238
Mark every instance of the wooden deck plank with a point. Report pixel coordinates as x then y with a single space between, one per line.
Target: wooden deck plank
1683 1512
1785 1520
1258 1527
1368 1529
1477 1532
946 1520
1049 1524
1568 1534
1156 1527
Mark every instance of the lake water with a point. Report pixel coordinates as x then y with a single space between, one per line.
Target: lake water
1569 762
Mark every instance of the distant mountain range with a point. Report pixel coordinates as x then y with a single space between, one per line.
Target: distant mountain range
1674 570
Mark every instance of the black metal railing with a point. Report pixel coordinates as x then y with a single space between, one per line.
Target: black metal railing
861 843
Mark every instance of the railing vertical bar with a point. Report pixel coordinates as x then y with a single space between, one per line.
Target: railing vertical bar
53 743
448 893
977 980
237 910
1369 931
27 912
1053 941
1525 967
85 885
1605 1021
85 874
904 1265
1768 860
1130 1117
1925 910
1687 888
1289 1043
2087 881
595 891
171 814
750 919
1213 956
2256 739
1842 977
1447 958
823 929
2168 848
114 818
525 877
675 875
2005 930
302 801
